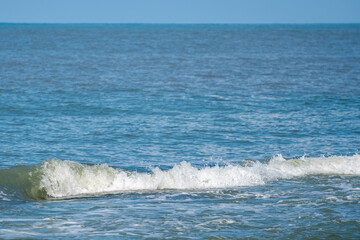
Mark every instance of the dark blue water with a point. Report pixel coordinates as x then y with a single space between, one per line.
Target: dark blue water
179 131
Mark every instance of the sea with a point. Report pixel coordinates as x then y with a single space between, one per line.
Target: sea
171 131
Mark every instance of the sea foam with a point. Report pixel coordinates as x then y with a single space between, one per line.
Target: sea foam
62 179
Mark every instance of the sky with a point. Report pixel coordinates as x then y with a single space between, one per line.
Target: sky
180 11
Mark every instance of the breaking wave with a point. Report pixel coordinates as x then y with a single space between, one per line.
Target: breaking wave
63 179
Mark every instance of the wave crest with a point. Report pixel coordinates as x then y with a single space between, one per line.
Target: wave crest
62 179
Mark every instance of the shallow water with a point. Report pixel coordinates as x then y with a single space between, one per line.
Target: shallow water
179 131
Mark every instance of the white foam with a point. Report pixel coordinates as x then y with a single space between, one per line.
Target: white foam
66 178
3 196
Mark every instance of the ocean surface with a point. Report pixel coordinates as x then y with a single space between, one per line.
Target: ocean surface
179 131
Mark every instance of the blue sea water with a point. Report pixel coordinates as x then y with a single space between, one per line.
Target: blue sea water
179 131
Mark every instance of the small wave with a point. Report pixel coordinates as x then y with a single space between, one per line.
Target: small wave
63 179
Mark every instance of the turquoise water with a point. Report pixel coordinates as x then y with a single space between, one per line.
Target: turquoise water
179 131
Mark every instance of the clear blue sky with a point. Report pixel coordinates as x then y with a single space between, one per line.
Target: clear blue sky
180 11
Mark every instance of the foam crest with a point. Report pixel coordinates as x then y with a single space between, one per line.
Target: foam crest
61 179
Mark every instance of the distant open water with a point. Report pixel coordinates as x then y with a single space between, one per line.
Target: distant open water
179 131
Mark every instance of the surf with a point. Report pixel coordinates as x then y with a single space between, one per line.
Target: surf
58 179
